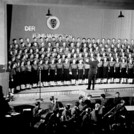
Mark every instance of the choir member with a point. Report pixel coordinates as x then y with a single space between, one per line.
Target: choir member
83 41
35 75
99 75
69 57
93 40
17 76
23 75
80 57
88 41
98 42
105 70
111 69
72 46
123 56
80 71
117 70
59 71
78 45
66 71
77 51
28 75
52 72
113 41
74 71
45 73
63 58
12 78
57 47
123 69
74 57
130 71
108 42
40 69
86 69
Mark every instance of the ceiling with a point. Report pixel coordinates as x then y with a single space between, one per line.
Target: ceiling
118 4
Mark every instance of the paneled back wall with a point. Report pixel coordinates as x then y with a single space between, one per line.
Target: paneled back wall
80 21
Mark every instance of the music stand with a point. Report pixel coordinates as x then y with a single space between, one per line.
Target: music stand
39 99
130 108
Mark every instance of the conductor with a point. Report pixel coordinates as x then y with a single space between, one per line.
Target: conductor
92 73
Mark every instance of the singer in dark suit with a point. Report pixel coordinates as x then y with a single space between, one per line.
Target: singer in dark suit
92 73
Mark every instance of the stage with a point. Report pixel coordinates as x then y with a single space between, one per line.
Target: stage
70 93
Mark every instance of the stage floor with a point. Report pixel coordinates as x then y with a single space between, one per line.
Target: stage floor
70 93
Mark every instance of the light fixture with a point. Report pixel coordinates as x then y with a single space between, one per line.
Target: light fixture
48 13
121 15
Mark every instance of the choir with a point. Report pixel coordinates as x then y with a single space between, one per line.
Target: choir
64 60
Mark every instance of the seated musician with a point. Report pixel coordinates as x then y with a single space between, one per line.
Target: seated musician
103 103
54 106
117 99
36 112
95 116
75 109
81 102
66 114
37 109
88 103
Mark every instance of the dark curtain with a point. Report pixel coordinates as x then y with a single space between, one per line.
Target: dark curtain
9 22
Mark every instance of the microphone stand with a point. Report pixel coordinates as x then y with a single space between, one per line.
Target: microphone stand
39 99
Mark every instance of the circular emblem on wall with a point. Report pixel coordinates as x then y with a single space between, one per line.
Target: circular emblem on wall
53 23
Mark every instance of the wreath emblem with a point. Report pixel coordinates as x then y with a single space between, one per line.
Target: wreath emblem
53 23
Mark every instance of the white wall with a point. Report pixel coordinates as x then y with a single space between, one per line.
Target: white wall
80 21
3 45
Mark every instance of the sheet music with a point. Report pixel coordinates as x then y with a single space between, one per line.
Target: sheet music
129 108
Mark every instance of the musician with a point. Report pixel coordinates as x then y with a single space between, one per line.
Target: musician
51 104
118 113
37 112
54 105
66 114
81 103
75 109
88 102
103 103
117 99
92 73
96 118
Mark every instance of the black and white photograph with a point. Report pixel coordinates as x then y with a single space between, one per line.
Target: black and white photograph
67 66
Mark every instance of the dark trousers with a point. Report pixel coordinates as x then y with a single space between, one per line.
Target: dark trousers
91 79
